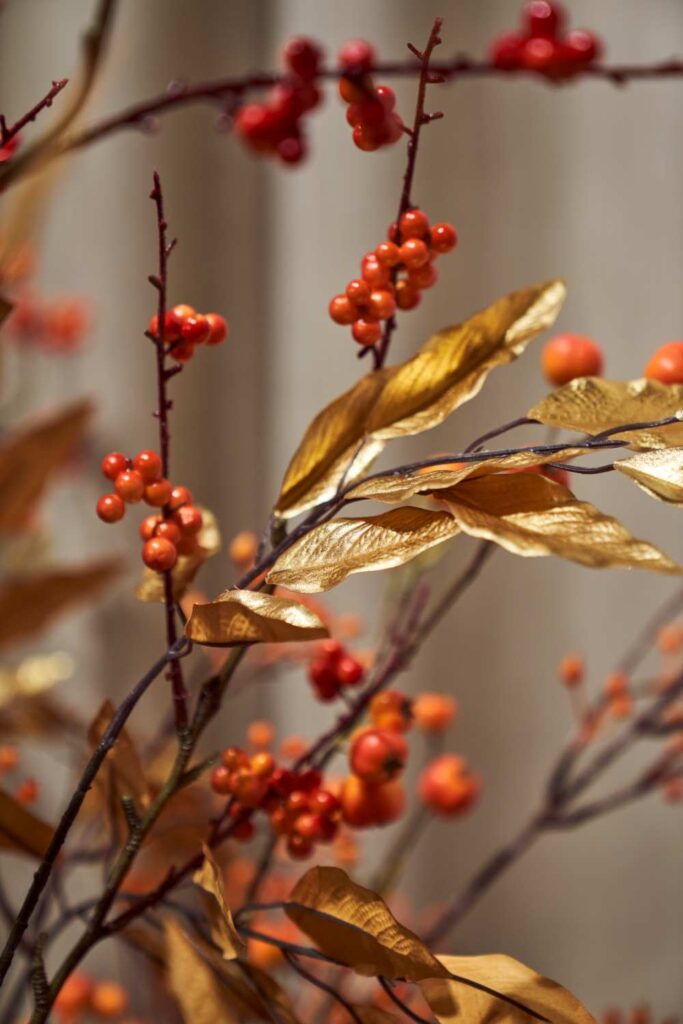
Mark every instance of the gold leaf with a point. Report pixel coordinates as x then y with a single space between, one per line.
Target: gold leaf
223 930
151 585
249 617
332 551
454 1002
193 982
591 405
20 830
659 473
354 926
121 774
29 456
395 487
413 396
530 515
28 605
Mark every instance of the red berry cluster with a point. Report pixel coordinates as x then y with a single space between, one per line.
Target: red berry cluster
393 276
185 328
370 110
543 46
298 807
166 535
56 325
275 126
332 669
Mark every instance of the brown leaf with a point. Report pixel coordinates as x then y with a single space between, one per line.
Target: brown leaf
353 926
28 604
29 456
530 515
20 830
121 774
414 396
194 984
240 617
151 585
332 551
591 405
659 473
396 487
223 929
454 1002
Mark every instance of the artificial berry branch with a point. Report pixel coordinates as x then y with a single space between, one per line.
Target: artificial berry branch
8 134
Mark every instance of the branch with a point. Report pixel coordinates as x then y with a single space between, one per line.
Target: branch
7 134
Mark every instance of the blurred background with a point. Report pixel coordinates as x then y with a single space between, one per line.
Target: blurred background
582 182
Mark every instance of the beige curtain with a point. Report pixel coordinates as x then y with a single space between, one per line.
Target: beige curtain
583 182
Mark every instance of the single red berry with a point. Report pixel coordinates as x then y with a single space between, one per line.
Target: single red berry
423 277
541 54
358 292
129 485
350 671
182 311
331 649
284 781
357 56
299 847
414 253
292 149
342 310
148 527
159 554
195 329
506 52
413 224
353 90
234 758
148 465
382 305
407 295
309 780
324 679
377 755
388 254
372 271
568 356
180 496
666 365
218 329
110 508
393 129
188 545
366 332
182 351
582 47
386 95
171 326
302 56
446 786
325 803
189 519
167 529
543 18
158 493
443 237
365 137
309 826
113 464
221 778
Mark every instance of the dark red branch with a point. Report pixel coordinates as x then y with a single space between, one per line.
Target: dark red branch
7 134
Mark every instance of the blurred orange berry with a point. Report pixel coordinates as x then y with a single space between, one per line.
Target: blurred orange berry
571 670
108 999
261 734
670 639
616 685
447 787
621 706
65 323
27 791
391 710
74 995
434 712
9 758
293 747
243 548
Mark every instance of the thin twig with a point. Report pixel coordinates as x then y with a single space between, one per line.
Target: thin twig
7 134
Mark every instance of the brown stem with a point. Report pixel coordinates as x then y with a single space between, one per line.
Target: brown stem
7 134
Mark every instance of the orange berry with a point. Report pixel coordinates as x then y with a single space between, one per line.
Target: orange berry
669 639
148 465
571 670
342 310
9 758
73 996
108 999
262 764
413 224
568 356
616 685
180 496
407 295
243 548
261 734
621 706
130 486
292 747
414 253
218 329
159 554
447 787
391 710
434 712
27 791
666 365
158 493
110 508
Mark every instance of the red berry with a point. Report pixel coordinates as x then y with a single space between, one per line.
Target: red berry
387 97
171 326
582 47
341 310
352 90
284 781
543 18
221 779
218 329
148 527
506 52
195 329
309 780
182 311
377 755
324 679
666 365
302 56
366 138
292 149
424 277
166 529
443 238
358 292
541 54
148 465
349 671
182 351
388 254
414 253
234 758
332 649
189 519
158 493
113 464
372 271
299 847
325 803
188 545
366 332
129 485
180 496
357 56
407 295
446 786
110 508
413 224
568 356
159 554
382 305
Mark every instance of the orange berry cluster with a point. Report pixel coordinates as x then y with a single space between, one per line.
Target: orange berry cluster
185 328
28 790
393 276
274 128
58 325
166 535
543 46
332 669
299 808
370 110
80 995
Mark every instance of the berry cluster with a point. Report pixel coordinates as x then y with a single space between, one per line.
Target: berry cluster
298 807
332 669
185 328
370 110
172 532
57 325
81 995
28 790
543 46
393 276
275 126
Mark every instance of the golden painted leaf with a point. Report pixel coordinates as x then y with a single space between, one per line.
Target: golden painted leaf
396 487
20 830
332 551
659 473
199 993
454 1002
151 585
591 405
121 774
29 604
414 396
353 926
29 456
223 930
248 617
530 515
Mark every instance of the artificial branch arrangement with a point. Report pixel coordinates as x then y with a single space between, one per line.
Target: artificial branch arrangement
199 850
